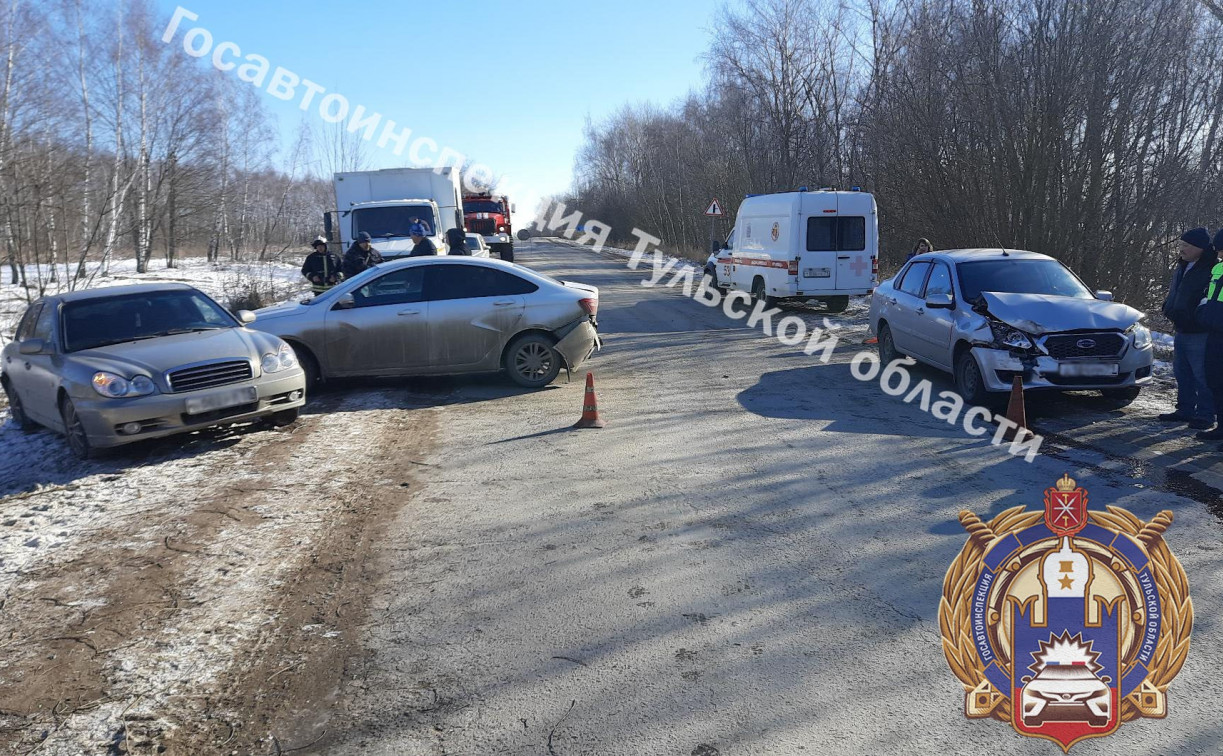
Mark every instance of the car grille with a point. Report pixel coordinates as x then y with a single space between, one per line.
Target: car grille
1072 345
213 374
482 226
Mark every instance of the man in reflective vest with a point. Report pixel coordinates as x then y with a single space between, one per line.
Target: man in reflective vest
1210 317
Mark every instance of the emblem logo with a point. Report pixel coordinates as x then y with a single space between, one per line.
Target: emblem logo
1066 622
1085 343
776 231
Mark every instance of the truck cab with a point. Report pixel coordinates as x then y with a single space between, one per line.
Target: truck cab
803 245
489 216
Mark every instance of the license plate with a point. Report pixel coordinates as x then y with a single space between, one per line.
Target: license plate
817 272
1087 371
222 399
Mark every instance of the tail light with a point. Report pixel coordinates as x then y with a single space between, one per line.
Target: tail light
589 306
874 268
792 268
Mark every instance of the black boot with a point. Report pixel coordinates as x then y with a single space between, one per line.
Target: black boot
1214 434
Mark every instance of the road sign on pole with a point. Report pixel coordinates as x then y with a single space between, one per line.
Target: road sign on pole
715 209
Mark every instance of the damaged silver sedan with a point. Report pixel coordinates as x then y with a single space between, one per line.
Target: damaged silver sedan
441 315
989 315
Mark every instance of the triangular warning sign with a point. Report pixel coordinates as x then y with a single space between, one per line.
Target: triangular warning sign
715 208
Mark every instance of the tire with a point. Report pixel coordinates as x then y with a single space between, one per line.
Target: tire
837 304
1122 397
759 295
531 361
887 347
16 410
74 431
283 417
506 252
971 386
309 365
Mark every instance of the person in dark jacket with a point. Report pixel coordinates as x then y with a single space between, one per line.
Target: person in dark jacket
422 244
1210 317
360 255
322 269
1194 404
456 241
920 248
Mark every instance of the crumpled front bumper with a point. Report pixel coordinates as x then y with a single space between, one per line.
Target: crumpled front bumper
999 366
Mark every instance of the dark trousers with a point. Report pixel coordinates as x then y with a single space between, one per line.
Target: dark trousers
1214 371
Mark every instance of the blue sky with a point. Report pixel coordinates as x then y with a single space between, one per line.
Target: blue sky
508 84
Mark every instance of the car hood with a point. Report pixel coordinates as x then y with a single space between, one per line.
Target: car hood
164 353
1044 313
401 246
279 311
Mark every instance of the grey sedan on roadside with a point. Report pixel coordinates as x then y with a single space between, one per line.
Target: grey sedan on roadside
442 316
118 364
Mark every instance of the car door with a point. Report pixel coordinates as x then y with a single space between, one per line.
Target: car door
385 331
854 269
932 326
906 299
17 365
473 310
41 371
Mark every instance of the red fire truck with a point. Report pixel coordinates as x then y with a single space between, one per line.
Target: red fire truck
489 216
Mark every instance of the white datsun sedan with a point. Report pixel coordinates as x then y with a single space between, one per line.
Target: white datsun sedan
988 315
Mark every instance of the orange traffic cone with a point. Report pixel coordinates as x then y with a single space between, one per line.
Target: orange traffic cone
1015 410
590 407
872 340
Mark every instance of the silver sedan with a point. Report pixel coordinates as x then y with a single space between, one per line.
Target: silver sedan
114 365
442 316
989 315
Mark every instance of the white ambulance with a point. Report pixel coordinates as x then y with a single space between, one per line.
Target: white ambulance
821 245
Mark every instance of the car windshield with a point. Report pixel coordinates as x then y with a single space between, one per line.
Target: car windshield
1019 276
481 206
92 323
393 221
474 241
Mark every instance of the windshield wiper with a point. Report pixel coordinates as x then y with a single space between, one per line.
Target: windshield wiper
176 331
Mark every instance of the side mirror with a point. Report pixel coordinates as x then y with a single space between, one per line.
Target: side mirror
246 317
346 302
940 301
32 346
1107 296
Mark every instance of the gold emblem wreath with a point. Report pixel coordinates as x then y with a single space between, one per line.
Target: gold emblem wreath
955 620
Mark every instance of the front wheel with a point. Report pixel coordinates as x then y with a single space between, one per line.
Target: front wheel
971 385
759 295
531 361
74 430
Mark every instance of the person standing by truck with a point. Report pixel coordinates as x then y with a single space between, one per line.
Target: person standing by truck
360 255
456 242
422 244
322 269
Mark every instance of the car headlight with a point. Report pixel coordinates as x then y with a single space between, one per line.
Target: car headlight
282 359
1141 334
114 386
1010 337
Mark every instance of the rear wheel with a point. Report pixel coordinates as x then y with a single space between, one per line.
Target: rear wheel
505 252
74 430
836 304
759 295
16 410
531 361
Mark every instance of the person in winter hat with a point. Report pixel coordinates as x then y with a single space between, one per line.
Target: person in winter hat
1194 402
322 269
1209 316
456 242
360 255
423 245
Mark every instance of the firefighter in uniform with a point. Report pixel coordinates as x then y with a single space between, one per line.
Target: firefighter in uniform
322 268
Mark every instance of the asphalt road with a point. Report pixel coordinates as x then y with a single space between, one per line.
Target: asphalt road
748 559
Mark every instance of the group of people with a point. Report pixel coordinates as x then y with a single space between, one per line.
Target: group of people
325 269
1195 306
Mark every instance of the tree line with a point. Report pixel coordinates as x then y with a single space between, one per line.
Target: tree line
114 145
1089 130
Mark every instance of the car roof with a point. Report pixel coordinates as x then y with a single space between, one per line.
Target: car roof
105 292
983 253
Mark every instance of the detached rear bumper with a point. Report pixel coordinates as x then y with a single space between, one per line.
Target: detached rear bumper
577 345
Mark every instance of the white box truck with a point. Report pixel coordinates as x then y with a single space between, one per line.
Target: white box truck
385 203
821 245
